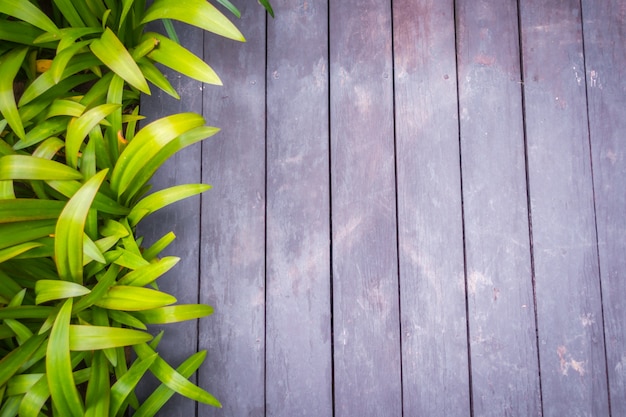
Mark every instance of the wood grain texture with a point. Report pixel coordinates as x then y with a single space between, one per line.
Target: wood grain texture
298 352
233 222
430 228
505 376
365 266
572 360
183 218
605 56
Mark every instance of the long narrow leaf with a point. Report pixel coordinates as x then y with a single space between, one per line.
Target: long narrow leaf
59 366
180 59
87 338
47 290
163 198
125 385
13 251
28 12
149 273
13 361
23 209
134 299
147 143
174 380
78 129
114 55
24 167
98 399
68 244
194 12
174 314
9 66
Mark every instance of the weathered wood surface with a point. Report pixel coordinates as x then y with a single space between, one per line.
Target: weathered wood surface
418 209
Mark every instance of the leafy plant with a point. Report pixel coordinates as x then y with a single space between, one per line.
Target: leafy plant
77 287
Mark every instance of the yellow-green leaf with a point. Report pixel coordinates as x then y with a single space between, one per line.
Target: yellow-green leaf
110 50
86 338
126 384
146 274
68 244
24 167
198 13
59 366
22 209
9 66
47 290
79 128
28 12
13 251
176 57
174 314
128 298
163 198
98 397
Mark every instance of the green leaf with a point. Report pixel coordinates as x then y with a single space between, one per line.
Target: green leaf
268 6
63 390
22 209
174 380
62 107
18 32
47 290
28 12
150 167
99 290
194 12
68 244
163 198
114 55
230 7
176 57
101 202
78 129
86 338
158 246
147 144
9 66
66 7
24 167
12 362
147 274
21 384
13 251
42 131
156 77
128 298
174 314
98 397
62 58
34 399
126 384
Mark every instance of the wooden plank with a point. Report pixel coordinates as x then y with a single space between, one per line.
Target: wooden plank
430 227
180 340
298 314
503 342
367 373
605 57
233 222
572 360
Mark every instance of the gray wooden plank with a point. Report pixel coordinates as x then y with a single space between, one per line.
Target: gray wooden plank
430 229
503 342
183 218
233 222
367 373
572 360
298 314
605 56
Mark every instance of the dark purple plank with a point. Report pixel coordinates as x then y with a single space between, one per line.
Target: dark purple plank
298 352
233 222
572 360
430 228
505 374
365 266
605 57
183 218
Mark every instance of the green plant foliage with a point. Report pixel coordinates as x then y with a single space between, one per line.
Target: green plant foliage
77 288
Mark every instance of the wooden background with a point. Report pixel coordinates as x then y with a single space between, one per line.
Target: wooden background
418 209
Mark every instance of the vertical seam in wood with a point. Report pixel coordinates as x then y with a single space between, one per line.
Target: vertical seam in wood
595 216
528 200
265 84
458 109
330 217
395 170
201 197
